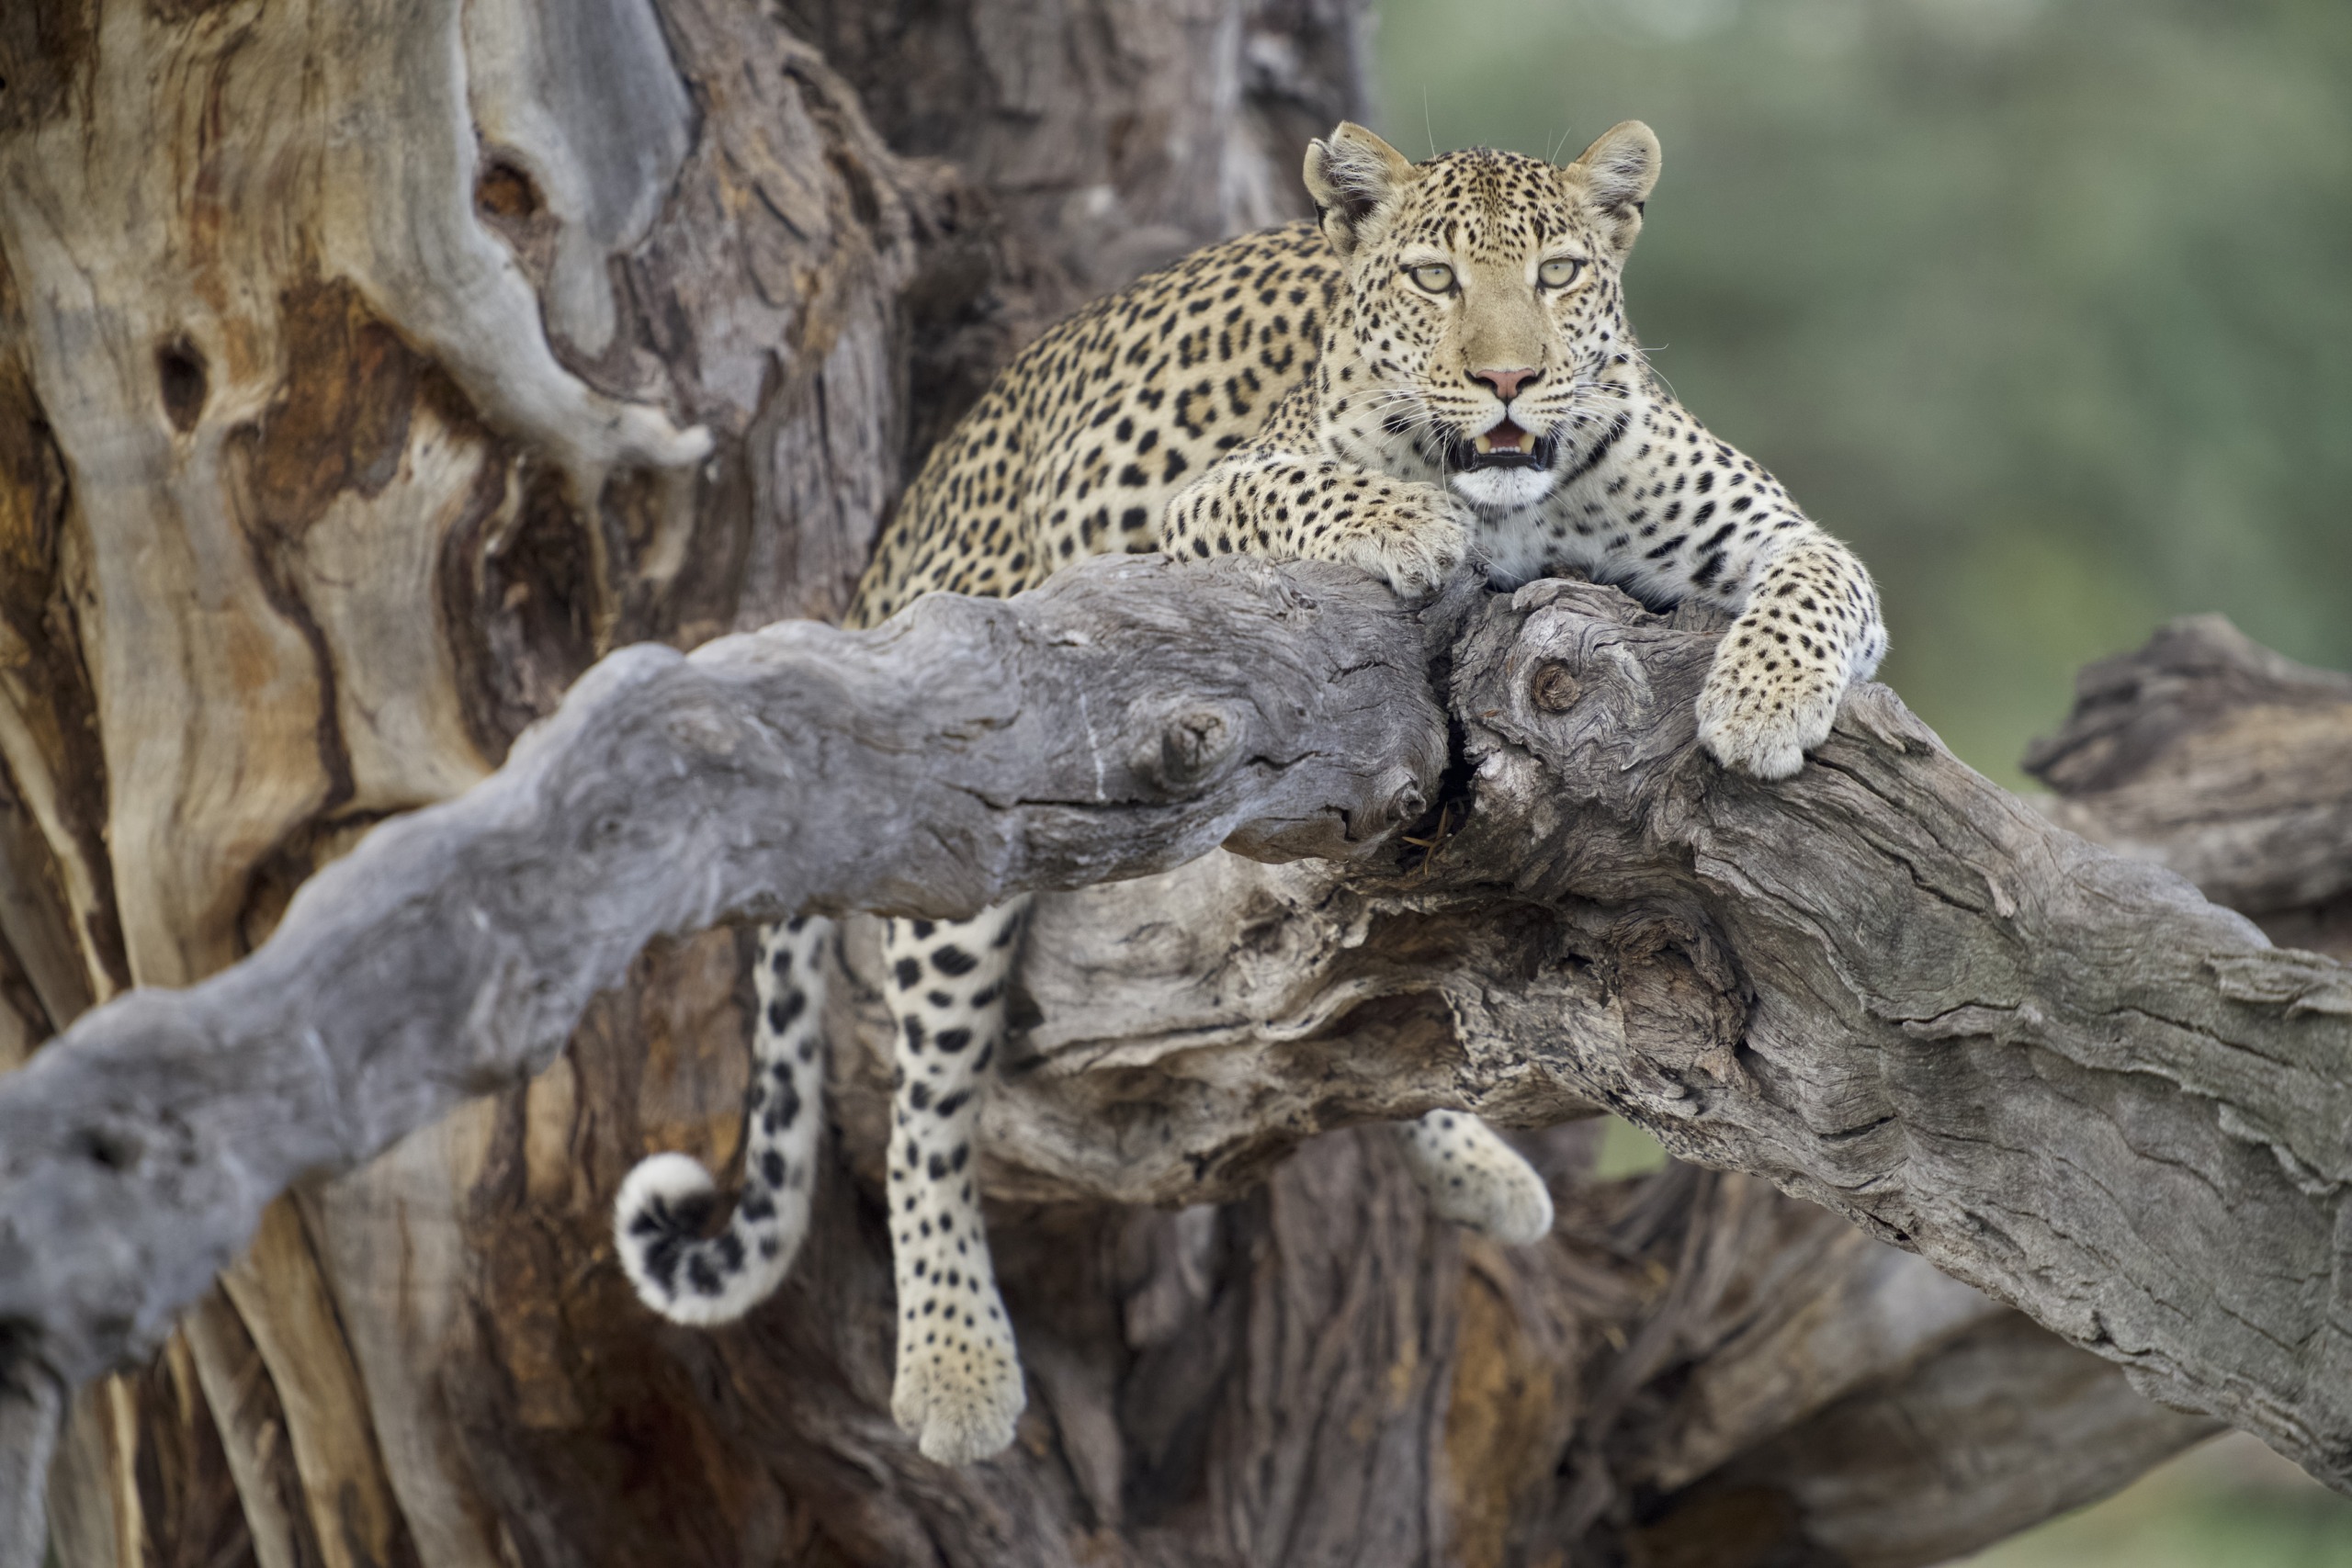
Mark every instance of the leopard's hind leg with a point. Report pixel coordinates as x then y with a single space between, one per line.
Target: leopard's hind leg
959 1386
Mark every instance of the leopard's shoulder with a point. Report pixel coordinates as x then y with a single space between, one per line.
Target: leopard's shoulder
1079 443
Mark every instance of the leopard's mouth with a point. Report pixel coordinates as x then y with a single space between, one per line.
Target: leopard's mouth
1505 447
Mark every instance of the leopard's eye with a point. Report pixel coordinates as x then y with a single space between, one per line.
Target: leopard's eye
1560 271
1435 276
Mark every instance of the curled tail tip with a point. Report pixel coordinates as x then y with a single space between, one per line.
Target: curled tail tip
658 1218
668 1179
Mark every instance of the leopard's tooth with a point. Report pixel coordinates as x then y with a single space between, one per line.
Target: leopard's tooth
1484 441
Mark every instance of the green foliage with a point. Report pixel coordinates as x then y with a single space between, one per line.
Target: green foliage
1625 1150
2041 303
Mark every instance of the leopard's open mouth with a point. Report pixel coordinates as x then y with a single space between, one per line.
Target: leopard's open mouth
1504 447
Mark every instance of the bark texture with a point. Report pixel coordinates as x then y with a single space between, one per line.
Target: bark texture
2216 757
1790 979
368 371
365 371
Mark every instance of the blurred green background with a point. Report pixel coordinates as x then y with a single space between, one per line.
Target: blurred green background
2043 304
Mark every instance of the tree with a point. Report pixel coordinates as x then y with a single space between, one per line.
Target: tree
387 368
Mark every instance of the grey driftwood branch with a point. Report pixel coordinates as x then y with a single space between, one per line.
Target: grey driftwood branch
1125 720
1886 985
2057 1074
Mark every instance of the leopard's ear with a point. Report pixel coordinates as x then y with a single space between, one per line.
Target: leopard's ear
1355 178
1619 169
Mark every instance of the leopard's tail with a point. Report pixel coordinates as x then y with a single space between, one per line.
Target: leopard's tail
666 1205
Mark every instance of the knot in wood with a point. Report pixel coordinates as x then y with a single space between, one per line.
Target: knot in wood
701 730
1194 743
1553 688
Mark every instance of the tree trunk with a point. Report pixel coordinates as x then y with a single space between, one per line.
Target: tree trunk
370 370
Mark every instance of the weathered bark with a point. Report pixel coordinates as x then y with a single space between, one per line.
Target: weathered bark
339 340
1787 979
936 768
352 358
2213 756
358 365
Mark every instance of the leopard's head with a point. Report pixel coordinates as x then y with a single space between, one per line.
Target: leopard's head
1482 300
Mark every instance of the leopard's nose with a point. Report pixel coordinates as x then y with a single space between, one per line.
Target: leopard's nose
1507 383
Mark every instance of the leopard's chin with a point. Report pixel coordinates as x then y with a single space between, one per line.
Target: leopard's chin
1498 487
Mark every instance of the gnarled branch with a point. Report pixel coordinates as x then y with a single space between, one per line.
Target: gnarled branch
2216 757
1884 985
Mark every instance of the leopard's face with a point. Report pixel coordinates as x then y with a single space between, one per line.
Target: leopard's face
1484 302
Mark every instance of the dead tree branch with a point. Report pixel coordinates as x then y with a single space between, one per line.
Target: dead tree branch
2216 757
1126 719
1885 985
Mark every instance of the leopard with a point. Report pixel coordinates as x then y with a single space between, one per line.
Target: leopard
1436 370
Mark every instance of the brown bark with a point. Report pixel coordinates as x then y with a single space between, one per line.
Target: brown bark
343 355
2219 759
367 371
339 346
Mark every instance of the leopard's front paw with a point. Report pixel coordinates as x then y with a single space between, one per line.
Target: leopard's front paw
1413 540
1764 707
